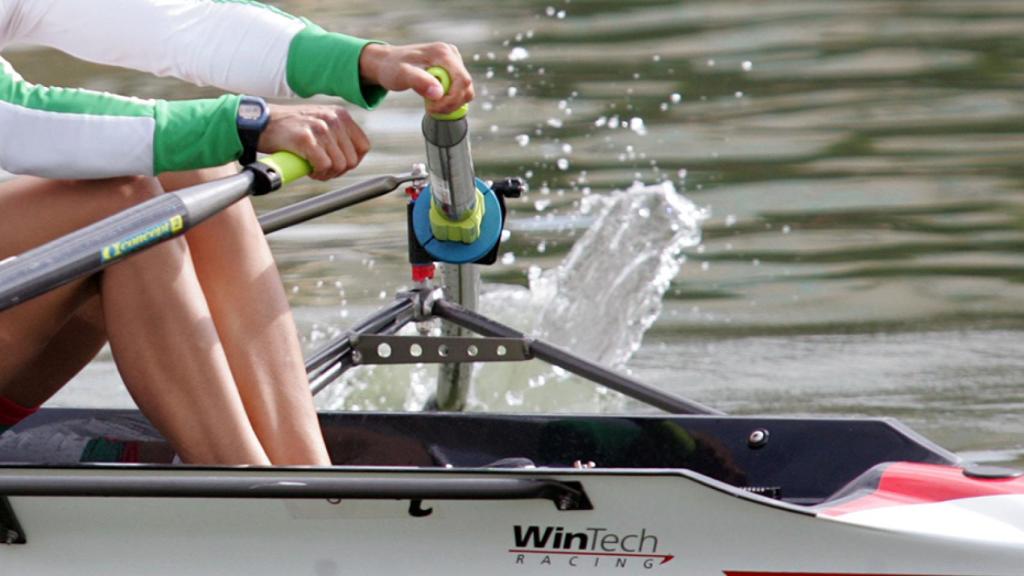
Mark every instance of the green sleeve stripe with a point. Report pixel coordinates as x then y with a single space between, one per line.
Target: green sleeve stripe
321 62
16 91
196 133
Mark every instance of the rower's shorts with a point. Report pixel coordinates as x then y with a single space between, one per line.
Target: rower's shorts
11 413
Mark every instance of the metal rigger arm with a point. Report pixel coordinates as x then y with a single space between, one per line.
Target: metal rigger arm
373 341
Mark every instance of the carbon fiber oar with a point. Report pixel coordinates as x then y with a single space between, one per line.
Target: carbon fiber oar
112 239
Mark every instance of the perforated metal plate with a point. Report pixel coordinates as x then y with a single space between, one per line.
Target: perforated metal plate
373 349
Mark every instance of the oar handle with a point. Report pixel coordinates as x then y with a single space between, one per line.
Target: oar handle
445 79
289 166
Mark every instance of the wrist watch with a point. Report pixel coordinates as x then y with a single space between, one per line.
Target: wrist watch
253 117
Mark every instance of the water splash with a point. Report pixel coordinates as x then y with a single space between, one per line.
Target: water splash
598 303
608 290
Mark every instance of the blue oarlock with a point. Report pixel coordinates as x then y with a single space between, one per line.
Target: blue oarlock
457 252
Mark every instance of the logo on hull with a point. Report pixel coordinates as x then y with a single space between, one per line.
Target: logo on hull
586 548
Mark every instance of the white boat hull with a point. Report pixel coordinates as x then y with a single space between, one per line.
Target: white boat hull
642 522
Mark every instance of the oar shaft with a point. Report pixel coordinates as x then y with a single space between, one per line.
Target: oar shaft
333 201
112 239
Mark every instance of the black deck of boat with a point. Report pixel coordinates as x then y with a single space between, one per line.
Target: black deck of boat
805 459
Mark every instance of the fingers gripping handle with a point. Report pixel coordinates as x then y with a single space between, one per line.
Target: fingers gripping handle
446 82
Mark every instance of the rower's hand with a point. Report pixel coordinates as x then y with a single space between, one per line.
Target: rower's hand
400 68
326 136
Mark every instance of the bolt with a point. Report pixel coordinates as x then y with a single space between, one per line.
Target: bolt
758 439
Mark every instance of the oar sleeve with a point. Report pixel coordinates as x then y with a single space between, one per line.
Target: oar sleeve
236 45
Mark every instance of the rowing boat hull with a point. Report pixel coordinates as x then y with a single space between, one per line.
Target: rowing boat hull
414 493
642 522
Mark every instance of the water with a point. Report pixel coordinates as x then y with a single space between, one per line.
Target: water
859 162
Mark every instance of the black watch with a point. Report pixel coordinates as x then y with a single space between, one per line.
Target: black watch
253 117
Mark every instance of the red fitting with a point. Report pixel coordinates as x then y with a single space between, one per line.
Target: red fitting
422 272
414 193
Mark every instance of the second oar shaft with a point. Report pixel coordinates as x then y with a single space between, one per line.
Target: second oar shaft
112 239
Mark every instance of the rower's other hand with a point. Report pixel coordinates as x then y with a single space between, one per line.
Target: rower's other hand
326 136
404 68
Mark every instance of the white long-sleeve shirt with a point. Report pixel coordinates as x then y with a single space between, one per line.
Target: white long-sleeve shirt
236 45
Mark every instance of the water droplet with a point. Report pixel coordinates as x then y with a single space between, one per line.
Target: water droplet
512 91
493 129
601 121
711 62
681 173
523 139
489 73
487 106
644 213
508 258
656 58
542 204
756 261
739 94
704 266
383 294
542 246
560 15
550 10
663 106
554 122
730 220
295 289
747 65
637 125
563 164
786 229
514 398
518 53
566 148
676 98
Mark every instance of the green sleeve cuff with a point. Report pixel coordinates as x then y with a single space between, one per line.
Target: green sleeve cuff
194 134
321 62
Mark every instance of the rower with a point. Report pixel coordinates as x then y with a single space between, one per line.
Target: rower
199 325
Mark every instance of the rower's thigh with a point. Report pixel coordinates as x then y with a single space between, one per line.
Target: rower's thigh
34 211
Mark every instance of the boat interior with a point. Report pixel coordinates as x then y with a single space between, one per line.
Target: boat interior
802 461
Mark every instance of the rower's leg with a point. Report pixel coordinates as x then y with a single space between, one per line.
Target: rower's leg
153 311
252 315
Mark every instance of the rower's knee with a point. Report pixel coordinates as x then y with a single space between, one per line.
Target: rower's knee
115 194
132 190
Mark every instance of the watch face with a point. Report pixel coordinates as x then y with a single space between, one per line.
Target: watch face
250 111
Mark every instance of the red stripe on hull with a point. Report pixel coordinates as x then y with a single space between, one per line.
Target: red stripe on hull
731 573
905 483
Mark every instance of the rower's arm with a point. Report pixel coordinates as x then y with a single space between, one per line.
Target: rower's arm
238 45
242 46
62 133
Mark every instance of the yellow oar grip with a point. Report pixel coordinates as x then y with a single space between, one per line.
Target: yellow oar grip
446 82
442 76
290 166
